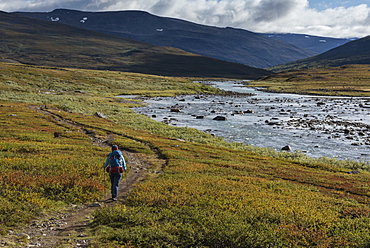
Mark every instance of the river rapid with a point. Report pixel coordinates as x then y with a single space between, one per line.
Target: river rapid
334 127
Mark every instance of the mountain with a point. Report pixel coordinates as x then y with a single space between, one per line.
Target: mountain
38 42
229 44
354 52
316 44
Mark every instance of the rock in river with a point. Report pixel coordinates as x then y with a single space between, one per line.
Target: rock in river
220 118
286 148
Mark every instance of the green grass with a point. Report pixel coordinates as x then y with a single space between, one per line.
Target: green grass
212 193
218 197
348 80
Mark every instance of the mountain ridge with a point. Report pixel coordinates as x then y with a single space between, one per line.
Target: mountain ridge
37 42
354 52
229 44
316 44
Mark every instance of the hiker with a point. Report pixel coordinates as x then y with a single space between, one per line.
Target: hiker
115 164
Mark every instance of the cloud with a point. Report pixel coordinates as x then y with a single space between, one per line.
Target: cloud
270 10
284 16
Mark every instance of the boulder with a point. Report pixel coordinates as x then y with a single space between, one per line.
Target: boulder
100 115
286 148
220 118
272 123
353 172
95 205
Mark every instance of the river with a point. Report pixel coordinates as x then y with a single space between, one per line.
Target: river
334 127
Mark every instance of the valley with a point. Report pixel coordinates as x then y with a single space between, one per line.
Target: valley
317 126
224 185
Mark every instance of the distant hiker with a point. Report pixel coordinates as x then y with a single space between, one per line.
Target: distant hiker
115 164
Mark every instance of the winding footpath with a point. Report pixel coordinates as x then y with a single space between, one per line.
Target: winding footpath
69 227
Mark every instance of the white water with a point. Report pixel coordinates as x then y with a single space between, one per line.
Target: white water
329 140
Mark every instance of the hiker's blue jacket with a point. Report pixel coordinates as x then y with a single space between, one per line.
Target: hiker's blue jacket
117 152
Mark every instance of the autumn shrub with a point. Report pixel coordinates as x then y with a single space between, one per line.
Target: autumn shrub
38 170
210 193
219 197
349 80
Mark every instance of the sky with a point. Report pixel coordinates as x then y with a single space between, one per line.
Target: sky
328 18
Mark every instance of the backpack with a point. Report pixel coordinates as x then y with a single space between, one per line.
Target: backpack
115 165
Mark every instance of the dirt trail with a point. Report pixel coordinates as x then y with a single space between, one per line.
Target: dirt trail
69 227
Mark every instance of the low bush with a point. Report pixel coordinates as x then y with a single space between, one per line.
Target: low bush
211 193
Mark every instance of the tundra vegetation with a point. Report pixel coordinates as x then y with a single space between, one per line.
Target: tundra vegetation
211 193
346 80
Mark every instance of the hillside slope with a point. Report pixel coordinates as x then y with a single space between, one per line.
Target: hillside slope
347 80
316 44
354 52
38 42
229 44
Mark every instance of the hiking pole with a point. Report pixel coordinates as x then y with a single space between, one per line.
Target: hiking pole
126 178
104 180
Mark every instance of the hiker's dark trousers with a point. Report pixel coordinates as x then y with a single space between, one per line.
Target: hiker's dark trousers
114 180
